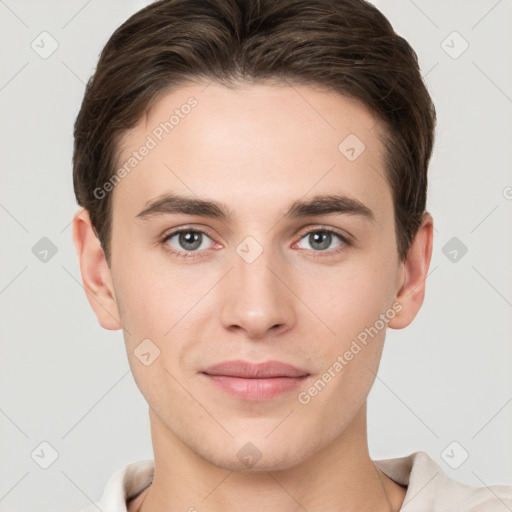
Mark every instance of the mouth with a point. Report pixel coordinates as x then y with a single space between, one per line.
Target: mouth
255 382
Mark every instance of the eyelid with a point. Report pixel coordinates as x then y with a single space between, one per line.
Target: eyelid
345 237
186 228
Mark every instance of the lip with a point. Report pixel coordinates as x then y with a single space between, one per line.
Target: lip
255 381
248 370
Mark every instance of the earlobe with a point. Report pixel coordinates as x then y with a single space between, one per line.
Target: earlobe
411 291
96 276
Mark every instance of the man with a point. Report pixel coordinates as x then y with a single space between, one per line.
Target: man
252 176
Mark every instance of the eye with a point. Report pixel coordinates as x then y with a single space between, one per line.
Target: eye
189 243
186 241
321 240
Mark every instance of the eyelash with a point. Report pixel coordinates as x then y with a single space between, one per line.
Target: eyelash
315 254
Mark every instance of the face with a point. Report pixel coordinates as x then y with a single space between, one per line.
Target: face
285 251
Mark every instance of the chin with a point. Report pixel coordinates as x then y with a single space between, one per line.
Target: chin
274 462
255 457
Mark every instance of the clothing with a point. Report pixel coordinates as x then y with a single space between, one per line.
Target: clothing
428 488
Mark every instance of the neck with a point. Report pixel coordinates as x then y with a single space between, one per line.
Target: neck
340 476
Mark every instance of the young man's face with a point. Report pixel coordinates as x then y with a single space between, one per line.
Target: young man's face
261 283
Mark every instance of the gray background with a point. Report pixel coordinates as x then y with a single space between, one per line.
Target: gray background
66 381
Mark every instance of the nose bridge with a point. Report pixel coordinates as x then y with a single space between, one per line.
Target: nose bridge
256 298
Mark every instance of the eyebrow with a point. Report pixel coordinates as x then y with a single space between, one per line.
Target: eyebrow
171 204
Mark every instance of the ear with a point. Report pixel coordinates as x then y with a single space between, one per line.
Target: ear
413 272
96 276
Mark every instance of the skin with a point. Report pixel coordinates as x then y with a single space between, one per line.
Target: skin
256 148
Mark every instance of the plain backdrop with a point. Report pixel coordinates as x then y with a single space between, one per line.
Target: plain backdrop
65 382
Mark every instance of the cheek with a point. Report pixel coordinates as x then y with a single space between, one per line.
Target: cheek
351 297
351 303
153 297
349 365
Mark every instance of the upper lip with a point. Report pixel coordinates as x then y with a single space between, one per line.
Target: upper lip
250 370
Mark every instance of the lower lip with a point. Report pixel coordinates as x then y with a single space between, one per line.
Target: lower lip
256 389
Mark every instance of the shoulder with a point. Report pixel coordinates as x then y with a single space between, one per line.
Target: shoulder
429 488
124 484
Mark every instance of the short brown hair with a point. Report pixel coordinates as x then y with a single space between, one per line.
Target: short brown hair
345 45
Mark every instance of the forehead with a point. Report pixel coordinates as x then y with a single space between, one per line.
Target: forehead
253 144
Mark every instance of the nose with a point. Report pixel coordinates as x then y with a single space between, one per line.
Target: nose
258 297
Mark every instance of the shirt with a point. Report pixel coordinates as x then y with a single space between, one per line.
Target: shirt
429 489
